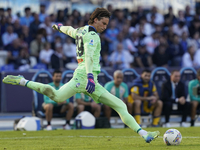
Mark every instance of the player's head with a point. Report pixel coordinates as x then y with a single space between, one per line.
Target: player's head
175 76
146 75
198 74
99 19
118 77
57 76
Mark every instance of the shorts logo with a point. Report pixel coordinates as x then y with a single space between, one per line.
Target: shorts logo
91 42
77 85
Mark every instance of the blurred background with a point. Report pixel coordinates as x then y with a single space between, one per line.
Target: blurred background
141 34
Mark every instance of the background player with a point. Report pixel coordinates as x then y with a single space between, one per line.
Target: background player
85 76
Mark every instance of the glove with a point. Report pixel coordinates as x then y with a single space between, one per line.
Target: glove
57 26
90 88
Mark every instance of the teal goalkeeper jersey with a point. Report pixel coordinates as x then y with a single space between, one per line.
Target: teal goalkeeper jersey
48 100
88 47
192 88
121 92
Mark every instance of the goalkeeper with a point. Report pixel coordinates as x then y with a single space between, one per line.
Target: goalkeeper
88 47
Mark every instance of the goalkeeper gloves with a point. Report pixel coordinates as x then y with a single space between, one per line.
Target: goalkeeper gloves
90 88
57 26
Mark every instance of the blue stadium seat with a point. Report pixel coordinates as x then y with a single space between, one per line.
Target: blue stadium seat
42 76
159 76
129 76
187 74
104 77
9 67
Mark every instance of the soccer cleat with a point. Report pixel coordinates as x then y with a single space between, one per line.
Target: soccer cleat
14 80
49 128
151 136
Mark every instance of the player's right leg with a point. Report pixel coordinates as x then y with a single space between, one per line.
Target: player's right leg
119 106
60 95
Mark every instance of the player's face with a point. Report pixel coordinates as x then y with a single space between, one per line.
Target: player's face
101 25
176 77
146 77
118 79
57 77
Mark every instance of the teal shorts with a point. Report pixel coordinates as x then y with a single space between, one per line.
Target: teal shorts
79 81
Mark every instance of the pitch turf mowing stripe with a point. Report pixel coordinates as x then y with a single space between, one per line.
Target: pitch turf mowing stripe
85 137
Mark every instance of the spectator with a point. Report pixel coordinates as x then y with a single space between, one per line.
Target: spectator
176 51
42 14
60 16
121 58
195 41
181 16
195 27
161 56
9 36
173 93
84 102
151 42
34 27
194 94
45 54
9 14
142 57
118 88
188 16
51 106
144 27
69 49
120 20
133 42
104 44
144 93
185 41
191 58
158 17
58 59
180 28
27 19
121 39
111 35
57 40
47 25
17 27
13 51
3 25
36 46
171 16
23 61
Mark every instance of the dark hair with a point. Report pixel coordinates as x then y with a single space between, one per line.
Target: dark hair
27 9
56 71
99 13
172 72
146 70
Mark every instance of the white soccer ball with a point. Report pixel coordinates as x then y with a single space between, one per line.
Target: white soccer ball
172 137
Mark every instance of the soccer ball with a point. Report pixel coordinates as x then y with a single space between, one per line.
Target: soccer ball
172 137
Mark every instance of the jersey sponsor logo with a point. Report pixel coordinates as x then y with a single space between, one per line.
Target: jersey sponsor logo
80 60
77 85
91 42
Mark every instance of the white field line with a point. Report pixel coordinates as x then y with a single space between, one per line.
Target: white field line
83 136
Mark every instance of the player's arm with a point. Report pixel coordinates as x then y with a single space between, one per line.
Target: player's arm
125 99
155 93
135 94
65 29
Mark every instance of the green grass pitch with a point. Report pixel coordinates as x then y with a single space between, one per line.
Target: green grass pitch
97 139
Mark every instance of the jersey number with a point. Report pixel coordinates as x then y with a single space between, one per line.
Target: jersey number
79 44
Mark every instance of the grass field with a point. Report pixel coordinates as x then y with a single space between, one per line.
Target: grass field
98 139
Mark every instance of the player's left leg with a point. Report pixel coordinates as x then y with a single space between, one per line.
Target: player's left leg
119 106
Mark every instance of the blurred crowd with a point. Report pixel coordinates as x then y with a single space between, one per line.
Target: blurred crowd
140 39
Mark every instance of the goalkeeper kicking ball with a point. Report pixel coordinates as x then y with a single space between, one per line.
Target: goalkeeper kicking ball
172 137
